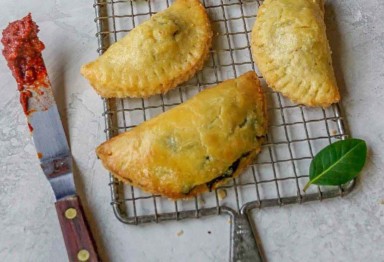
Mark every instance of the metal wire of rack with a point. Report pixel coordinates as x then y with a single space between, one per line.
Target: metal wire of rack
296 133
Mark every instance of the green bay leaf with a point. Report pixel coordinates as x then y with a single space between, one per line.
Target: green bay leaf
338 163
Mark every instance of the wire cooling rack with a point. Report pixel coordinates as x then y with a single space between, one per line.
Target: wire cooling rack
296 133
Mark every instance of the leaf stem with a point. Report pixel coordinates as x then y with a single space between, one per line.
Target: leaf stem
307 186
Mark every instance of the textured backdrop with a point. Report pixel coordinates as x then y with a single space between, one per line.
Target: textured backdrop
349 229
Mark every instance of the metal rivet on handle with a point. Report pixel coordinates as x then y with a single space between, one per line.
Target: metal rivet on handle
83 255
70 213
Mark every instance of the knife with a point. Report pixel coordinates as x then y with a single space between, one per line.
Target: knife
22 50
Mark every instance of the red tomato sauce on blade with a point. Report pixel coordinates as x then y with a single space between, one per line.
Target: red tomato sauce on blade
30 127
22 50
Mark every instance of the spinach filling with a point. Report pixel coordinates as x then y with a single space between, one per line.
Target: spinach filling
228 173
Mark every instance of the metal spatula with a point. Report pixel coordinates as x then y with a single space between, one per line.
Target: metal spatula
22 50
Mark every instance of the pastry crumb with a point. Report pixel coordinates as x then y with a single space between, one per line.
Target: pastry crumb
180 233
222 194
333 132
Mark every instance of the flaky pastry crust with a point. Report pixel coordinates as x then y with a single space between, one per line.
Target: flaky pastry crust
290 47
196 146
156 56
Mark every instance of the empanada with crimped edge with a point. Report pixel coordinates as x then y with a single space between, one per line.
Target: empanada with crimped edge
290 47
156 56
195 146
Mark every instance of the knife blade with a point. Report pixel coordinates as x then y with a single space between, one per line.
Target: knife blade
22 50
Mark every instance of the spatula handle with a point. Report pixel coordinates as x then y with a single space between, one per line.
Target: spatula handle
74 226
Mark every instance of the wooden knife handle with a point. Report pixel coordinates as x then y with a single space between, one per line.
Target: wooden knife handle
77 235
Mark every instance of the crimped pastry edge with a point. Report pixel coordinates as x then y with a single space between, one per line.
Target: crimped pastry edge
271 78
164 86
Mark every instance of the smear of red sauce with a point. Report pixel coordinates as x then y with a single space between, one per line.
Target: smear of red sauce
22 50
24 96
30 127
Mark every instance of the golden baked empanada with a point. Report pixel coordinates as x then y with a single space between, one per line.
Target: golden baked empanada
290 47
195 146
156 56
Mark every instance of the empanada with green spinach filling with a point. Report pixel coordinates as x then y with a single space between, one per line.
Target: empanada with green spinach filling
195 146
